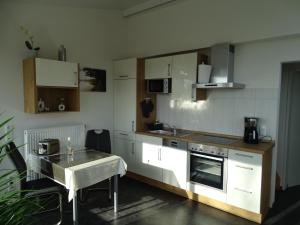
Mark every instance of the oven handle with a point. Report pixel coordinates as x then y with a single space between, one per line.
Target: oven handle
208 157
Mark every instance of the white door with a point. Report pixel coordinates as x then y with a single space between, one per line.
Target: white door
126 68
158 68
125 105
184 73
56 73
147 161
244 180
174 163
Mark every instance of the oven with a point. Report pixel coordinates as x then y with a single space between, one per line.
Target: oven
208 166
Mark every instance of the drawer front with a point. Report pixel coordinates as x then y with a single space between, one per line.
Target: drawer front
124 135
244 180
148 139
243 198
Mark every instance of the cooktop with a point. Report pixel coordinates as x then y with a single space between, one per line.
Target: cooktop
214 139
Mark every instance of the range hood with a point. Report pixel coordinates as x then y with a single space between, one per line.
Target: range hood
222 60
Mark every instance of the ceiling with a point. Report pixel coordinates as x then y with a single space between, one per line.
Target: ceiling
101 4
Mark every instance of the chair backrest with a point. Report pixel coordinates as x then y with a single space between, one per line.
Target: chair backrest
98 140
18 161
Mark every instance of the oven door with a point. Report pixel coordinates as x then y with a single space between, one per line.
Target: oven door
208 170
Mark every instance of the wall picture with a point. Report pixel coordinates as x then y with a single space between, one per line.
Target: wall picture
93 80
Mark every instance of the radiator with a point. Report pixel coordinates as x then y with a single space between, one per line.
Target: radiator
33 136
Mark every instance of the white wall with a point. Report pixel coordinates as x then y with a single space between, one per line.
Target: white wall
188 24
92 38
192 24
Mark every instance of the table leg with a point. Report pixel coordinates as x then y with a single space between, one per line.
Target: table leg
75 210
116 177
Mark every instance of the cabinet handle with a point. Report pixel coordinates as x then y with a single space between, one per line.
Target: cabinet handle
123 76
244 167
159 154
132 125
243 190
132 148
123 134
169 69
244 155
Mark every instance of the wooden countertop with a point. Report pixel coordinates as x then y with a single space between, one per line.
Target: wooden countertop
260 148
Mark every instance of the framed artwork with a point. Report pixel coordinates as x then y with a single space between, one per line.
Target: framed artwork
93 80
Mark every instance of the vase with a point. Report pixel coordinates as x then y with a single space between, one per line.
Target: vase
33 54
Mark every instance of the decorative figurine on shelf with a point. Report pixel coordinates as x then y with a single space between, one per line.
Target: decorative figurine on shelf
62 53
30 42
61 106
41 105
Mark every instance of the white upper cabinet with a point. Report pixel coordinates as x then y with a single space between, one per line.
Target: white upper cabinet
184 72
157 68
244 180
125 105
125 68
54 73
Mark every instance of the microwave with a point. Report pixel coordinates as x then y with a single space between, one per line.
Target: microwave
163 86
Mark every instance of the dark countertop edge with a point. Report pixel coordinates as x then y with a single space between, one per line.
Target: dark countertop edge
259 149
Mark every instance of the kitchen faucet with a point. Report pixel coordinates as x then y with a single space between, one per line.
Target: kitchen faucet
172 128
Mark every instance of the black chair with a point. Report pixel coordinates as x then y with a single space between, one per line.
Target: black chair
35 188
97 140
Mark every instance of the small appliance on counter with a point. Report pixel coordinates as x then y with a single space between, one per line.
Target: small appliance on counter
155 126
251 135
48 146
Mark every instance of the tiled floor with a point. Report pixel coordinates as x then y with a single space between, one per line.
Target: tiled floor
141 204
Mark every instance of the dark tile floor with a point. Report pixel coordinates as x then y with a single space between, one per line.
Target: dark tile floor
141 204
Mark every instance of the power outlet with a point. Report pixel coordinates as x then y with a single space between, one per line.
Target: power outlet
263 131
8 128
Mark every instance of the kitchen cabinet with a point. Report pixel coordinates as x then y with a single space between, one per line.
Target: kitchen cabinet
52 73
148 152
125 105
124 146
184 72
52 82
124 69
157 68
174 164
244 180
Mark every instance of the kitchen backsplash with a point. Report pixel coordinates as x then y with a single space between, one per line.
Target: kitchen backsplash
223 111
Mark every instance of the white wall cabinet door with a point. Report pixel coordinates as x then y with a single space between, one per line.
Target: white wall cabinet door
158 68
126 68
125 105
54 73
174 163
184 72
244 180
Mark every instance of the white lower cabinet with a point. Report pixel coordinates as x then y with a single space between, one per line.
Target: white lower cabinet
148 150
125 148
174 164
244 180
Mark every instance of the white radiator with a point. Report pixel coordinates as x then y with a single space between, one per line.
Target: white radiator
33 136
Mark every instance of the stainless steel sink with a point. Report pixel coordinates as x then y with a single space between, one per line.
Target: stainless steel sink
170 133
163 132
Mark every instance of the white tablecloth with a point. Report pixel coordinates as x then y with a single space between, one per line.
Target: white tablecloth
87 174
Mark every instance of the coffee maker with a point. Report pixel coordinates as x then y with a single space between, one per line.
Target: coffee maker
251 132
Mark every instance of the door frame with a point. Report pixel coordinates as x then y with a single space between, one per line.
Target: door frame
287 69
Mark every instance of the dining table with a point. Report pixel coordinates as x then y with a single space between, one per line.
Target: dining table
78 170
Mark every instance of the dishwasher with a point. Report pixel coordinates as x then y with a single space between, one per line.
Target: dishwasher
174 158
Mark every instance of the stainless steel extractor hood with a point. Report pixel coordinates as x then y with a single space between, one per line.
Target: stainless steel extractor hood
222 60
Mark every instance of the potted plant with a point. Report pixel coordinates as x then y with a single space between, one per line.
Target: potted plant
14 207
30 42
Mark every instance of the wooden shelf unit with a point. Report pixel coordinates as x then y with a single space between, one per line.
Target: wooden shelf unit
51 95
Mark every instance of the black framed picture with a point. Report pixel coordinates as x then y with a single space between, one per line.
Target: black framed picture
93 80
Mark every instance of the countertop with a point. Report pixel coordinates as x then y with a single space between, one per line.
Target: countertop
260 148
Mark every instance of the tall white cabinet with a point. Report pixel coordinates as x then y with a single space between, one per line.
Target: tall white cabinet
125 110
